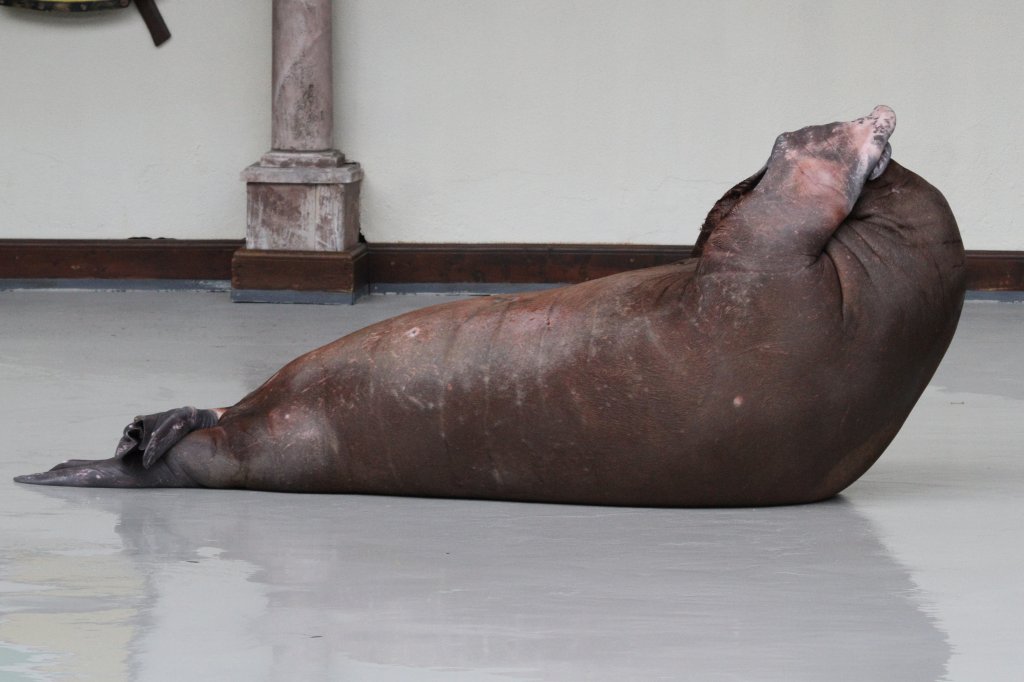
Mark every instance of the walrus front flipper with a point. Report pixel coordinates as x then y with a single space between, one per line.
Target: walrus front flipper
110 473
152 435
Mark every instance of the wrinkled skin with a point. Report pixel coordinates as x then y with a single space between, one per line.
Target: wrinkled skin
773 368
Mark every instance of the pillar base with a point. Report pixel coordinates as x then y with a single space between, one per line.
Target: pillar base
302 207
330 158
299 276
302 234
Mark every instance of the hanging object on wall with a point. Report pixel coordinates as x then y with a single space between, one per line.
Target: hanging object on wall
147 8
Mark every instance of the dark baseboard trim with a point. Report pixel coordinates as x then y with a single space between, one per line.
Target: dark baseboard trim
110 259
995 270
96 284
511 263
383 267
461 288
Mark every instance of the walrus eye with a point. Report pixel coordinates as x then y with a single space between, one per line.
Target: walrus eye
883 162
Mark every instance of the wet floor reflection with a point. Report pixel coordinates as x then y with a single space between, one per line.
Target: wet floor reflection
210 585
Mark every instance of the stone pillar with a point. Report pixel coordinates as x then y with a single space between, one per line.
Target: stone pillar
302 236
302 87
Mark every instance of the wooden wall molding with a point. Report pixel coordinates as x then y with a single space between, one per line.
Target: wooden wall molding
511 263
117 258
995 270
407 263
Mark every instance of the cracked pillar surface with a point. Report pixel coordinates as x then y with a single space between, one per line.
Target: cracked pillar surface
302 233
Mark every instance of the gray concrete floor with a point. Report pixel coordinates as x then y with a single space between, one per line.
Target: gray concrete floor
913 574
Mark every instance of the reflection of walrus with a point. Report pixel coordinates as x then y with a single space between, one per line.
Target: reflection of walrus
774 368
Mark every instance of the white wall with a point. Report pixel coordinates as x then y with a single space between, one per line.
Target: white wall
503 120
103 135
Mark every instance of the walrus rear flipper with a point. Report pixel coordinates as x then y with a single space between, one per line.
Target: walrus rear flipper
195 459
140 459
115 472
152 435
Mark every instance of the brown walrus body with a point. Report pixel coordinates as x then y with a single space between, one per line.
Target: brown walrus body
773 368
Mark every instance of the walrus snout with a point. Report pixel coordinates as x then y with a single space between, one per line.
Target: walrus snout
880 124
883 119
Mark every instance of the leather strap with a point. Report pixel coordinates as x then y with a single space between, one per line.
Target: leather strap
154 22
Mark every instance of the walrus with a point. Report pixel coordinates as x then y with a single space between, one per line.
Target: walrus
773 367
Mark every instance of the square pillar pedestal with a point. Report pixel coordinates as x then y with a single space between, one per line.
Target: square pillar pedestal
302 237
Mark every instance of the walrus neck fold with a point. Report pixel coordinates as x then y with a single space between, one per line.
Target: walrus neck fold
723 207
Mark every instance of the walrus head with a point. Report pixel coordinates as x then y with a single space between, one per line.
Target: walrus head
809 184
824 188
